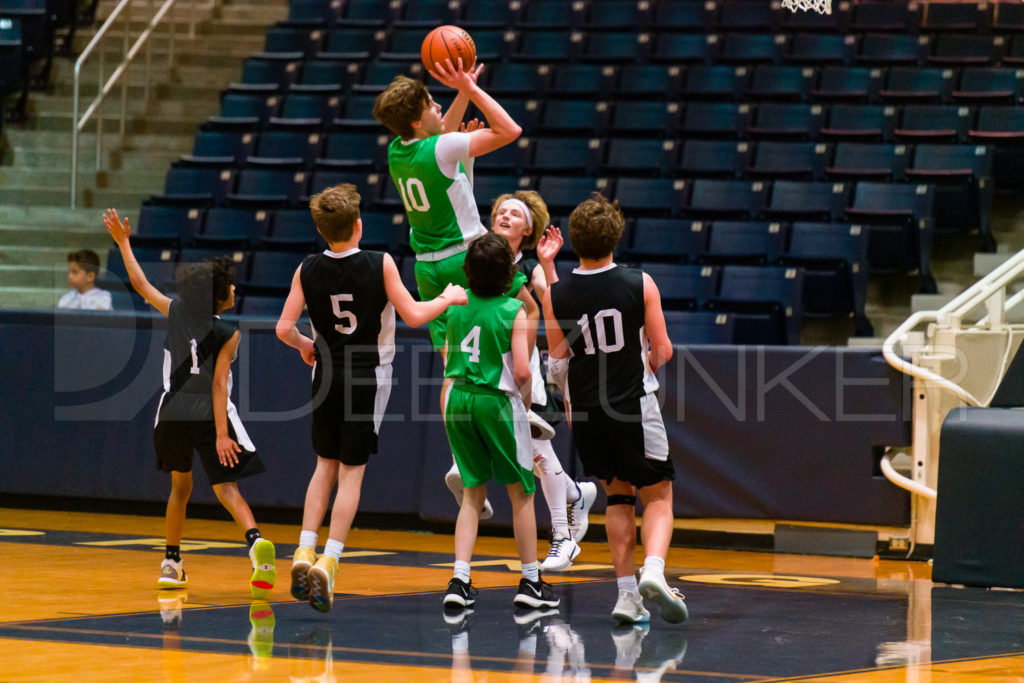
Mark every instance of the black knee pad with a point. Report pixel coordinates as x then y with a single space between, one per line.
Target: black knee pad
620 499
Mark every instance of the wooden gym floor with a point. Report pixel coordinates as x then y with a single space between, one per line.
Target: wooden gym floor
79 602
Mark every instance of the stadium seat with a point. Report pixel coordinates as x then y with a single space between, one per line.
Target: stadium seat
510 159
989 86
219 143
751 48
426 14
489 15
296 144
881 49
254 305
963 50
278 68
547 46
962 178
860 122
782 83
646 157
375 14
667 239
900 217
384 231
355 150
766 303
967 17
1007 18
232 228
645 118
291 38
685 16
648 196
320 12
582 81
854 161
724 199
379 74
261 105
574 156
575 117
793 160
793 200
714 158
519 80
683 48
270 183
550 16
196 185
271 273
240 259
743 242
647 82
934 123
617 15
368 184
616 48
352 43
914 84
746 15
857 84
786 121
157 264
684 287
1003 128
292 230
715 119
715 82
884 16
818 49
358 114
689 328
834 259
167 226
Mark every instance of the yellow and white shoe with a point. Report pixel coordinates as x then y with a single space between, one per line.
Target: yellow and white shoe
172 574
302 562
264 575
321 583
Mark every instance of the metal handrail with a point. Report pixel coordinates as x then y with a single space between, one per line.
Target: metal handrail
119 71
952 313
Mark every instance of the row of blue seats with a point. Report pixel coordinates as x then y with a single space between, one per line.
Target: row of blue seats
617 156
766 302
629 47
669 15
280 75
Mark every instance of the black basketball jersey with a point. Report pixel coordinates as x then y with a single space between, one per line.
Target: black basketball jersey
601 314
190 355
353 320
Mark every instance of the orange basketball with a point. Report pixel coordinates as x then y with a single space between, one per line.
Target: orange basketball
448 42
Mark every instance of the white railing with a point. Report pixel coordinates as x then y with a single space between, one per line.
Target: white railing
119 74
990 292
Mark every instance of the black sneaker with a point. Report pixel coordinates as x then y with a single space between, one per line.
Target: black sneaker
460 594
537 593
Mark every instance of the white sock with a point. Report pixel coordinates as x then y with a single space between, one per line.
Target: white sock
462 571
627 583
552 482
655 564
307 539
333 548
531 572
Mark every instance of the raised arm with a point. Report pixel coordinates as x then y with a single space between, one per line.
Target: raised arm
286 330
121 231
416 313
544 275
558 354
654 324
227 449
501 128
452 119
532 316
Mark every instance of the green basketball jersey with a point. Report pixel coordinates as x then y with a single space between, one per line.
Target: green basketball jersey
441 210
480 342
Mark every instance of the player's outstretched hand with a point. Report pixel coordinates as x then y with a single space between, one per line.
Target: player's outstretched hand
118 230
454 76
455 294
470 126
550 244
227 451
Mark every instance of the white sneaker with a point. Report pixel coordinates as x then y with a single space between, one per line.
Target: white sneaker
172 574
579 510
629 609
563 551
453 480
539 427
670 601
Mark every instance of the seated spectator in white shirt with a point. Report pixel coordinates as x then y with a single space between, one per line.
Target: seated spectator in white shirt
84 294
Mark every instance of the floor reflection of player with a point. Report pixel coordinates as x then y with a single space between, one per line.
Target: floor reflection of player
567 659
311 656
171 604
261 635
458 626
647 664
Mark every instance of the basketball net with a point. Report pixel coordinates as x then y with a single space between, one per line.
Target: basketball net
819 6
